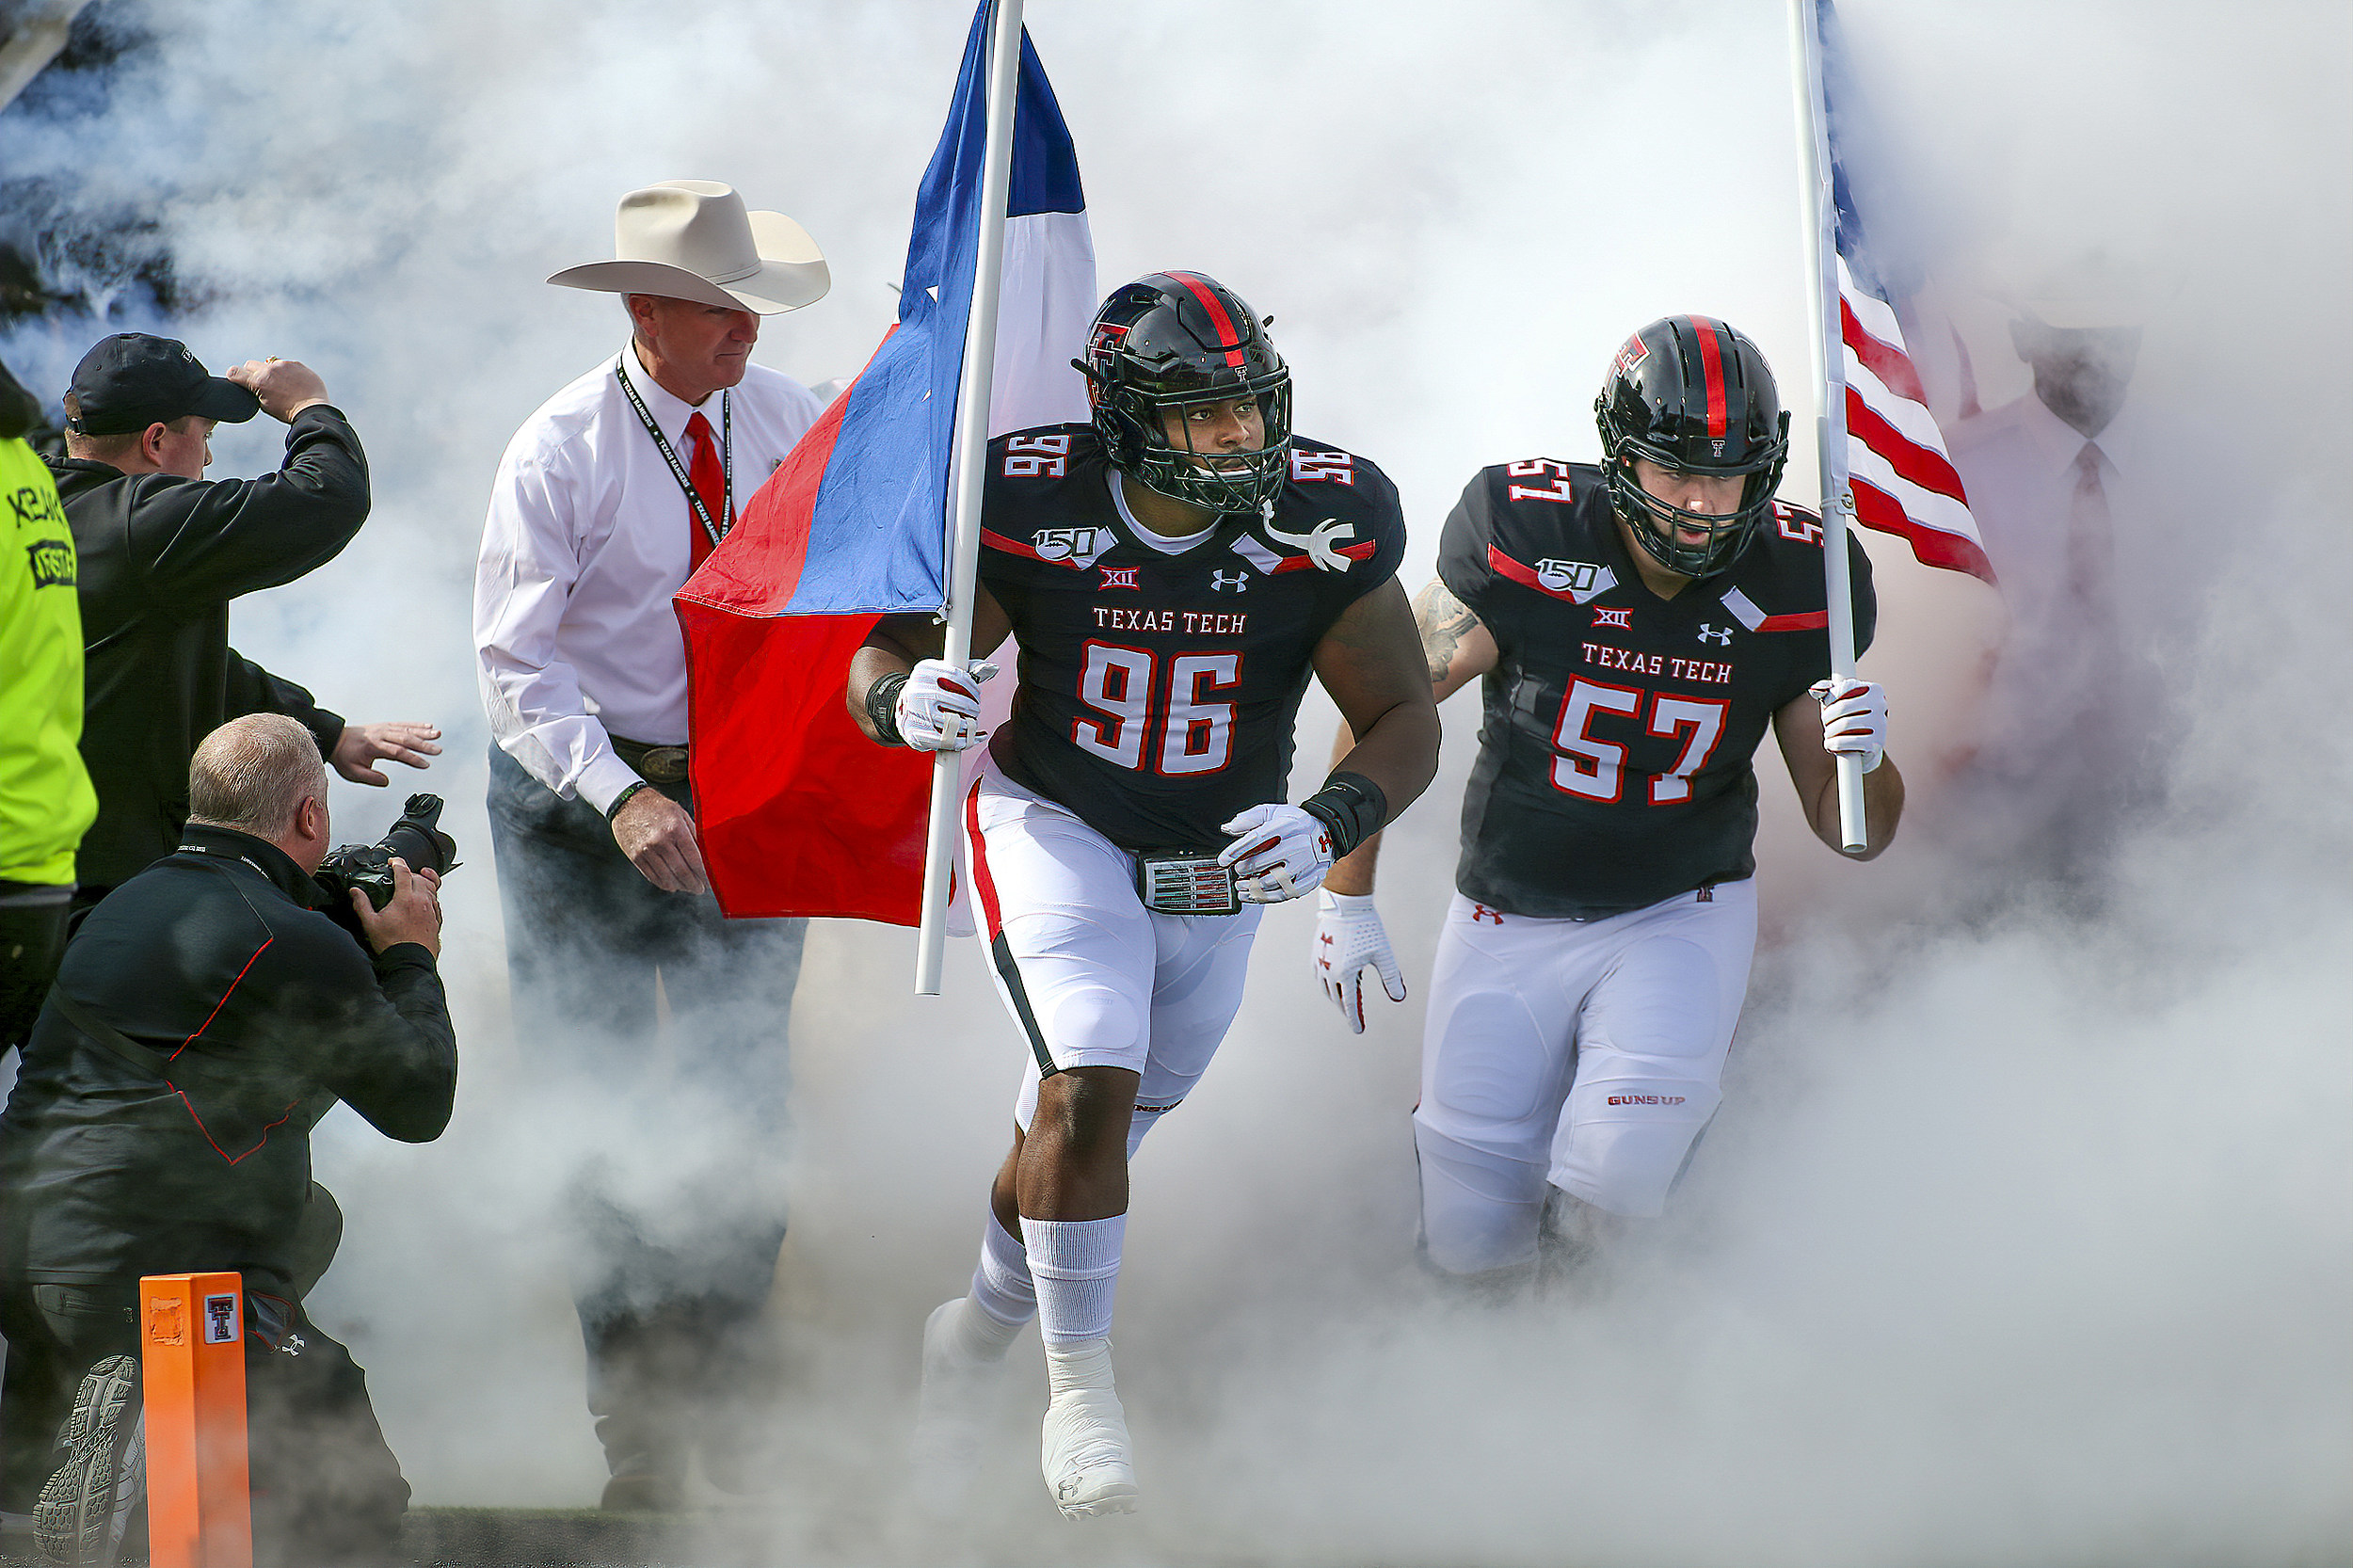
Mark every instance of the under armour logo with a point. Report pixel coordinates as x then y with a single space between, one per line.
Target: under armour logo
1621 619
1123 577
1229 581
1718 448
1721 636
1481 912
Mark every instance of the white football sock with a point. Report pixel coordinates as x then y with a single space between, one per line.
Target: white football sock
1001 1286
1075 1266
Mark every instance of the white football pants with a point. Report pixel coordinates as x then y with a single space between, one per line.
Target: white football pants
1091 977
1585 1053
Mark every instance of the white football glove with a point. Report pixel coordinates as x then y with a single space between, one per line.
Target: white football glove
939 706
1854 718
1349 940
1278 852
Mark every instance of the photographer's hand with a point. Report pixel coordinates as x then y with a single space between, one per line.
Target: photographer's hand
285 386
400 741
658 835
413 915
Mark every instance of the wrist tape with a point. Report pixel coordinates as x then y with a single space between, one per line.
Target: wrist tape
882 706
1352 805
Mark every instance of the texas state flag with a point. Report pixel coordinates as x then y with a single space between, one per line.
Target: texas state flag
798 812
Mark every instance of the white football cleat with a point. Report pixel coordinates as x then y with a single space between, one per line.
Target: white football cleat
950 1412
1085 1442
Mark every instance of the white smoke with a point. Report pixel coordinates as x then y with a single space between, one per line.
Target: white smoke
2022 1236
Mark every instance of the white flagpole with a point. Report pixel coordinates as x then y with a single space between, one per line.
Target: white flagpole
1829 356
965 470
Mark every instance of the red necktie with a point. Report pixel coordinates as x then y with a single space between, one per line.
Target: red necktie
2091 546
710 482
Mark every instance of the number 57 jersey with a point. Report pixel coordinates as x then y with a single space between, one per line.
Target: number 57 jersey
1159 690
1618 728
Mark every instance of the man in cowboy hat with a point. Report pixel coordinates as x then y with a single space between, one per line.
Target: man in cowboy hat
606 500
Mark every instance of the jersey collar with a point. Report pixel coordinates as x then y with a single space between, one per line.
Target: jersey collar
1130 531
229 845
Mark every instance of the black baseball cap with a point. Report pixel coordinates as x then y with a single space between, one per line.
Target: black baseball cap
132 380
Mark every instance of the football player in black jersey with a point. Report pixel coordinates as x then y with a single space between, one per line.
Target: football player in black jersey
1173 571
1636 627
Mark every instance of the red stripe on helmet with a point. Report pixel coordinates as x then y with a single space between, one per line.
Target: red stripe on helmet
1219 317
1712 368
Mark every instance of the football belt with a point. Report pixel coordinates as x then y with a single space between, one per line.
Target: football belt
1186 882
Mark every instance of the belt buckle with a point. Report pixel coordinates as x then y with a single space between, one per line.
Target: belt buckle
663 764
1186 882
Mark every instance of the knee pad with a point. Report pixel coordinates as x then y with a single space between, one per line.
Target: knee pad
1489 1069
1663 997
1479 1209
1092 1021
1623 1141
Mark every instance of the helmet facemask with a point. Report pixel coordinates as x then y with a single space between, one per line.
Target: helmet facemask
1246 480
1655 521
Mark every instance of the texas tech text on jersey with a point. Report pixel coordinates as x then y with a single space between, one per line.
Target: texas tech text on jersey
1617 729
1159 692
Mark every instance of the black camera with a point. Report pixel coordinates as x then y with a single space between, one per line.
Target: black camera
416 837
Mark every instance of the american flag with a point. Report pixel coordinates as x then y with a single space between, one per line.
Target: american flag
1903 482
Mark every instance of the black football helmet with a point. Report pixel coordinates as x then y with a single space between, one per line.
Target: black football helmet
1176 338
1690 392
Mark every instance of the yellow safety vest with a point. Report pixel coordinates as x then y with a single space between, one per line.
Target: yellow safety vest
46 802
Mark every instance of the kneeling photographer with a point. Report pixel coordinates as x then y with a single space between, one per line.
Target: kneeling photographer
206 1016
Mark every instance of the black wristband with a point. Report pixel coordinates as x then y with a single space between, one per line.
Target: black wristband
882 707
629 793
1352 805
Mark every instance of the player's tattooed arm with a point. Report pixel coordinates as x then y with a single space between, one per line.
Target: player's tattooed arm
898 642
1455 644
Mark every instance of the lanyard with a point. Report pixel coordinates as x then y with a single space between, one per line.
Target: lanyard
678 470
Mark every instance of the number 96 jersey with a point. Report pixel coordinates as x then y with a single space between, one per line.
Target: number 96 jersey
1617 728
1159 692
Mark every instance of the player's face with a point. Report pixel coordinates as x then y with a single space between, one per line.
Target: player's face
1229 424
1707 494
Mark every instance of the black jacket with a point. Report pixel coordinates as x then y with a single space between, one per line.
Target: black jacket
267 1013
160 559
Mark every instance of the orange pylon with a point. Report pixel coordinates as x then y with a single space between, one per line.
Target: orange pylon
192 1375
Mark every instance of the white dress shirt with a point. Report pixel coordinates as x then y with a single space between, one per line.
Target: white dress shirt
586 541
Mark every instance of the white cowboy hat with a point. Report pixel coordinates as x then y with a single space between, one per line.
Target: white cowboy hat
692 239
